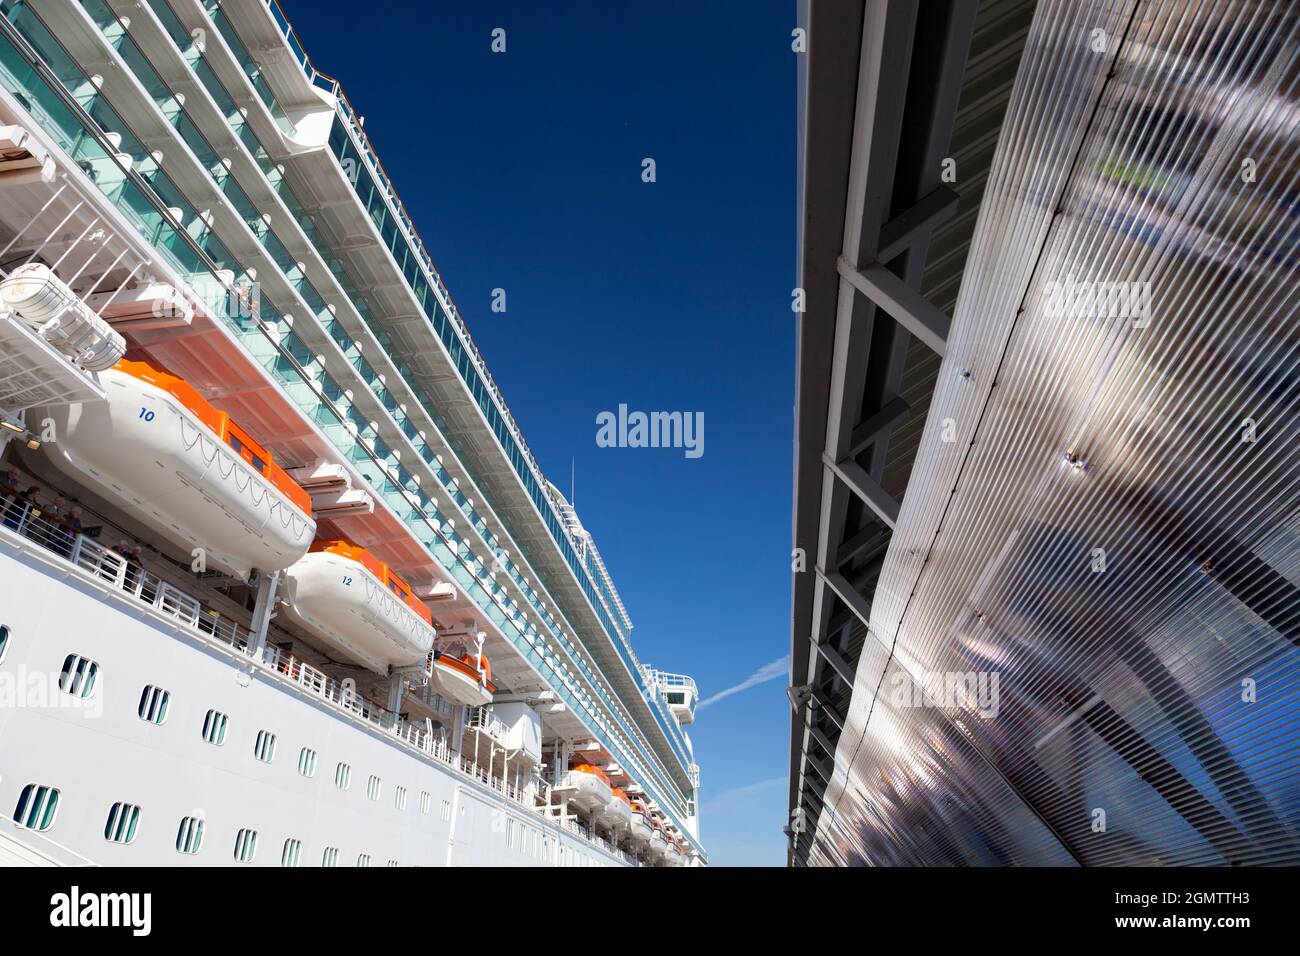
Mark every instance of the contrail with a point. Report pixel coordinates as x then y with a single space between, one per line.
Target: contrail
770 671
730 797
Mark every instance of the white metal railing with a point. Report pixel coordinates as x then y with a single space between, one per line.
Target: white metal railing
484 720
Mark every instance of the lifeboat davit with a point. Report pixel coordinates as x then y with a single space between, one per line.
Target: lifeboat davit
162 452
617 813
590 786
640 828
462 676
354 602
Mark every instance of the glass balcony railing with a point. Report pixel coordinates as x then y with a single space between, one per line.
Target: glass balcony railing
397 231
120 39
273 342
51 86
372 200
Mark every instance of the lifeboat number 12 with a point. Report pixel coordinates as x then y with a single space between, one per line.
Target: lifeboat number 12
147 414
347 580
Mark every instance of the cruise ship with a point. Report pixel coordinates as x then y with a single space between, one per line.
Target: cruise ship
1047 420
281 583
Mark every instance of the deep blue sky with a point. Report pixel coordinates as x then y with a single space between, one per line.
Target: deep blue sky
523 172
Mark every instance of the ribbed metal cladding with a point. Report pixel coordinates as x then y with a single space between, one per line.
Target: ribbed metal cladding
1104 513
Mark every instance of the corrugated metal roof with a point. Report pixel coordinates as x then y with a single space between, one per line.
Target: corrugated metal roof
1095 579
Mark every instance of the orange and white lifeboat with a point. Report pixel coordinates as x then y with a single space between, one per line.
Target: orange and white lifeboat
353 601
159 450
589 787
640 828
617 813
462 676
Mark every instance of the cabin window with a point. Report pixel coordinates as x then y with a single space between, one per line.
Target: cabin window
4 640
123 818
307 762
425 801
330 857
676 698
343 776
153 704
189 835
36 807
363 859
78 676
399 799
373 787
245 845
214 727
446 810
264 746
291 852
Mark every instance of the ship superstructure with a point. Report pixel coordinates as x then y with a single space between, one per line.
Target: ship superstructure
300 590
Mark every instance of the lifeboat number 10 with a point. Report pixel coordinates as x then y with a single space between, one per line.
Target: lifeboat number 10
147 414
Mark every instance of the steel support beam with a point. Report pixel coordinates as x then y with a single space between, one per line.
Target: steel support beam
903 303
836 660
869 431
854 601
856 479
898 235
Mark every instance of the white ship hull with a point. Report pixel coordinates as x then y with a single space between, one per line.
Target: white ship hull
103 752
343 603
148 454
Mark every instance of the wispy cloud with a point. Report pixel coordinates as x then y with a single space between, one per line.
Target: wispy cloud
735 794
769 671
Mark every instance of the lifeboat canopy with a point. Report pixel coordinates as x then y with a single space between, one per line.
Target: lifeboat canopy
158 450
347 597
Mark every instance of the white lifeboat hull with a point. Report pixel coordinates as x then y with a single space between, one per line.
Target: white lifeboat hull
616 814
147 453
588 791
459 687
340 601
640 829
658 845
